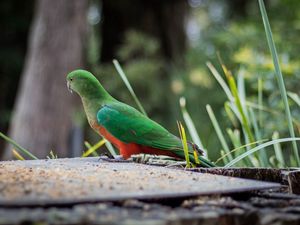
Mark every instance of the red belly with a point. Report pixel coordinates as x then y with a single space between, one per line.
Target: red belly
128 149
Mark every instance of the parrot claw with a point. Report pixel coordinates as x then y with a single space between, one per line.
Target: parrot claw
117 158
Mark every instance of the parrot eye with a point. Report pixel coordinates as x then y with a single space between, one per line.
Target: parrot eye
71 79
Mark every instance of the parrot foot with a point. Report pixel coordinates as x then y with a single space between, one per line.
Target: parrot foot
117 158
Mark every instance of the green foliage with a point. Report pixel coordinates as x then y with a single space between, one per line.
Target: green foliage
137 44
254 113
247 124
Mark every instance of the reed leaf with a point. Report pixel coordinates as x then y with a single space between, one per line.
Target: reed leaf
93 148
125 80
258 148
190 125
279 76
17 146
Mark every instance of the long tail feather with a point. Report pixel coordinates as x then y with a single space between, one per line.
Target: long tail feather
203 162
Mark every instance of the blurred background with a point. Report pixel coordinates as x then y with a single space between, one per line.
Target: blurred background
163 47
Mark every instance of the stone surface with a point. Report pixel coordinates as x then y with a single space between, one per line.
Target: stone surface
86 180
86 191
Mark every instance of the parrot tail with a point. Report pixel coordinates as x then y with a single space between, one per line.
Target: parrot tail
203 161
193 146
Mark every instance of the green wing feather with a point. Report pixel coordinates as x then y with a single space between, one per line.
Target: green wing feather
130 126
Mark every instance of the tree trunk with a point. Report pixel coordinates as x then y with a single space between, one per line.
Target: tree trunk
42 118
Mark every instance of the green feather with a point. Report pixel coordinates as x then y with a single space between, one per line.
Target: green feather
130 126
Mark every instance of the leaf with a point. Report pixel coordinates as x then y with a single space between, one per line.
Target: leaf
279 76
17 146
94 148
190 125
260 147
184 144
125 80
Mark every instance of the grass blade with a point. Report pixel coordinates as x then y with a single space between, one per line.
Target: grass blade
274 112
235 111
246 154
17 146
17 155
230 114
218 131
184 144
110 148
237 107
220 80
93 148
190 125
238 102
125 80
278 150
234 137
223 157
240 147
279 76
263 158
88 146
52 155
260 100
294 97
242 91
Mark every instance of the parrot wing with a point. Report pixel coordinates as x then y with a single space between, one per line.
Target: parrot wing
130 126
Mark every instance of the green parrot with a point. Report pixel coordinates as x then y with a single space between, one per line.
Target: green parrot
125 127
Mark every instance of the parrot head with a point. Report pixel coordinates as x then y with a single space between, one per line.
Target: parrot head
81 81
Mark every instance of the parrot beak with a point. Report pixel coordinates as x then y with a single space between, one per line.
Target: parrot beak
69 87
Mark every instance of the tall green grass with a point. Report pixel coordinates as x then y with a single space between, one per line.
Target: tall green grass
279 76
239 110
257 148
249 122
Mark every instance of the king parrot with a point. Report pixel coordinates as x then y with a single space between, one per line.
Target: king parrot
125 127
